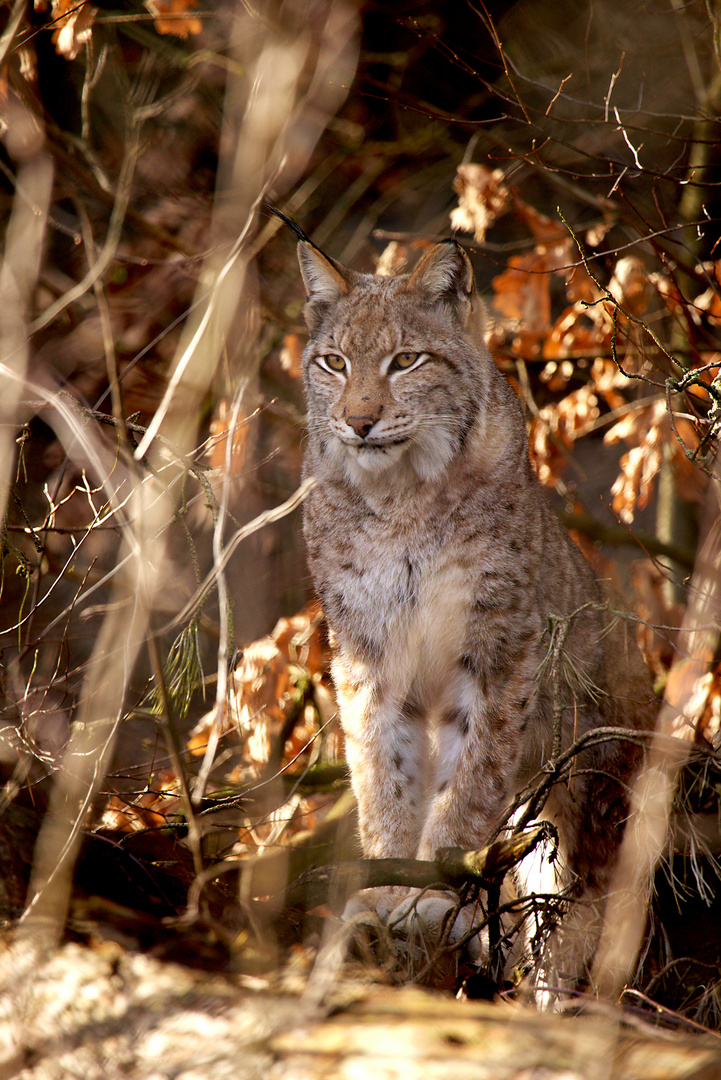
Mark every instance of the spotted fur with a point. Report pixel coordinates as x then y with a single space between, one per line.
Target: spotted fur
439 561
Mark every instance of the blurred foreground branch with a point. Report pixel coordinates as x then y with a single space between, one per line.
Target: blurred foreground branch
278 99
20 266
647 830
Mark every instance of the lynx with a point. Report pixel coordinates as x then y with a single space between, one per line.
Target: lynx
439 563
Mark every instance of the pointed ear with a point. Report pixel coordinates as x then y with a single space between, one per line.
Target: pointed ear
445 274
325 282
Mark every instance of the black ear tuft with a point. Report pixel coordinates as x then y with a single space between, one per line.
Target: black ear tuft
293 225
325 279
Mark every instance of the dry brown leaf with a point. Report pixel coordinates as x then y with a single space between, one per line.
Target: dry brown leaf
598 233
197 742
709 724
151 810
300 639
688 687
553 234
630 285
256 697
668 292
291 356
522 294
608 380
73 27
574 413
172 17
558 249
633 427
393 259
220 433
633 486
648 431
482 198
301 739
262 688
710 301
557 376
556 428
579 331
258 687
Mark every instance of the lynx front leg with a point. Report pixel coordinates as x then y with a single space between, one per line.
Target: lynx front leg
387 751
475 770
476 762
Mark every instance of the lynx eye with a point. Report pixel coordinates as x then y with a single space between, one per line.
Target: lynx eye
334 362
403 360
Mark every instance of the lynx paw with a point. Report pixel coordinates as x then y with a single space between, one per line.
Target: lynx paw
369 902
425 922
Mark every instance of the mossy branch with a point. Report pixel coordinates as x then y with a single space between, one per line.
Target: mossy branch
452 868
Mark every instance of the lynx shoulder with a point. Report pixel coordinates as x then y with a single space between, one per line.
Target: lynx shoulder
471 639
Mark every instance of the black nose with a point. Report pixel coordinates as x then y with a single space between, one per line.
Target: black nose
361 424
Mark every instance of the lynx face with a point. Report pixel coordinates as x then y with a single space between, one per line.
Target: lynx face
390 377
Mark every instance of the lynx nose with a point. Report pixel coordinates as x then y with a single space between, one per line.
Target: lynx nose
361 424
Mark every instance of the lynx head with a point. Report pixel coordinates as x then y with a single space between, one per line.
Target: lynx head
395 367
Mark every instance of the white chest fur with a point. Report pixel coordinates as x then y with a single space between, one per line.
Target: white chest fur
415 606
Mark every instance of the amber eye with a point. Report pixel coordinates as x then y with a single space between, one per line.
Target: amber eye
403 360
334 362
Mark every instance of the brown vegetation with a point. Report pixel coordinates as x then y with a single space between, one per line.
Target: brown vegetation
168 715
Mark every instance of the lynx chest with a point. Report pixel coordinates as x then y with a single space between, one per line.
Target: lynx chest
401 603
